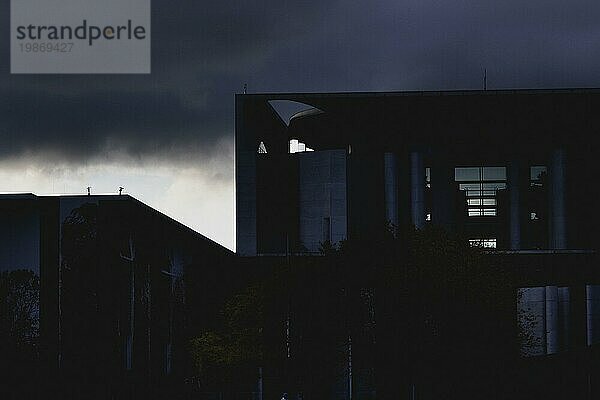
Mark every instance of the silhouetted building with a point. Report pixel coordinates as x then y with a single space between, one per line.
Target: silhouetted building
508 169
114 310
112 290
512 171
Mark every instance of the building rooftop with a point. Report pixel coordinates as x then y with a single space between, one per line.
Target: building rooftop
17 197
528 117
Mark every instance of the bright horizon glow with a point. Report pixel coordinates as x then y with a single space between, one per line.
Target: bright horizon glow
200 197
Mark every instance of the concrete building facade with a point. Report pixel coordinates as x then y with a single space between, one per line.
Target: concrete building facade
508 169
511 171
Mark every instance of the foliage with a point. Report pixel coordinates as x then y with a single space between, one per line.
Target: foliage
414 303
19 306
529 341
19 333
239 339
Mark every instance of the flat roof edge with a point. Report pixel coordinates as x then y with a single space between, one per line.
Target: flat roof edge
276 95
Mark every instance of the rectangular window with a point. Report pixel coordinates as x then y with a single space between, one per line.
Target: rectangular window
481 202
494 173
296 146
480 185
538 206
489 243
537 175
466 174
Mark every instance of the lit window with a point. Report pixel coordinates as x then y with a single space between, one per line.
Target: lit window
262 149
537 175
295 146
481 185
483 243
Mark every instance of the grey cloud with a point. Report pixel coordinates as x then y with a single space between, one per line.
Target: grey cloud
203 52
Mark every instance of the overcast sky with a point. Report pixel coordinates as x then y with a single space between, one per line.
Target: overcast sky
168 137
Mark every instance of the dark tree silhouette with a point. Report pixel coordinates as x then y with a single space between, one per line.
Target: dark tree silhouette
399 311
19 332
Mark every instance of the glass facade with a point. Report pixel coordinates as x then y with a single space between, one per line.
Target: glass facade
481 185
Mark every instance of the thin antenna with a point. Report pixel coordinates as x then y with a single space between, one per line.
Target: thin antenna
89 190
245 88
121 190
485 79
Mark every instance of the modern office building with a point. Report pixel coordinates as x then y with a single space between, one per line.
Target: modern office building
510 170
115 307
513 171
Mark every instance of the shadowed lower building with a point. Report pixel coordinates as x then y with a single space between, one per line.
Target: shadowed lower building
113 310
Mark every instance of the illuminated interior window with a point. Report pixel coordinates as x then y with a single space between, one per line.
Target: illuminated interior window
295 146
262 149
489 243
537 175
481 185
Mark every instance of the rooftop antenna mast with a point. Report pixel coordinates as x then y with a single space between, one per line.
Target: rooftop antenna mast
89 190
245 88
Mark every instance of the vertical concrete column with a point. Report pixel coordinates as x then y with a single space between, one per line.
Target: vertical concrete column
564 317
260 383
514 216
558 221
417 189
443 189
391 188
552 332
592 297
245 180
578 315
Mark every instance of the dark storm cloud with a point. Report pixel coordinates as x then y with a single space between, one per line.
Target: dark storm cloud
86 124
203 52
